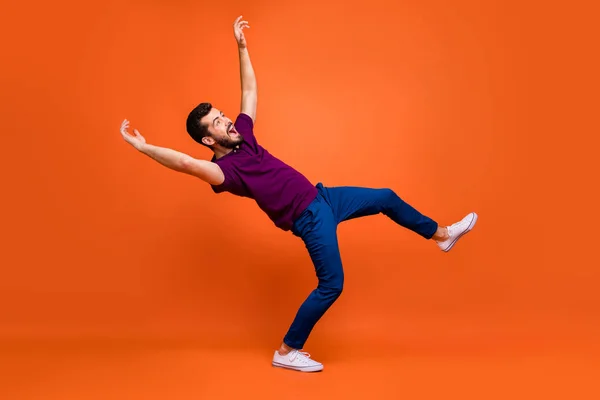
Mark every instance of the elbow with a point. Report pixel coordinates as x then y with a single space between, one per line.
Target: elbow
184 164
205 170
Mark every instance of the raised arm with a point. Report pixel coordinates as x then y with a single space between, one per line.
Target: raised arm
207 171
247 77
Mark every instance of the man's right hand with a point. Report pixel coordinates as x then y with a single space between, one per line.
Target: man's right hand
136 140
208 171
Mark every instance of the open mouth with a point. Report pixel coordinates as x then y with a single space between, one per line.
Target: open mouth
231 129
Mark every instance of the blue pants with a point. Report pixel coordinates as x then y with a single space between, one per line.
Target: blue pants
317 227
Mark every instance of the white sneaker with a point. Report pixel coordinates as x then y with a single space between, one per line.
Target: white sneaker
457 230
296 360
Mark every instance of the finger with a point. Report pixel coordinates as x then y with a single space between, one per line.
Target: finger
237 19
127 138
137 133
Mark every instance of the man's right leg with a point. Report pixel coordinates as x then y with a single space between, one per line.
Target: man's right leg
318 231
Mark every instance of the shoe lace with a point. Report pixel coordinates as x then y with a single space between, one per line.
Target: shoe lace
451 230
301 355
457 227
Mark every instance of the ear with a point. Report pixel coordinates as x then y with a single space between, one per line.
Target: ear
208 141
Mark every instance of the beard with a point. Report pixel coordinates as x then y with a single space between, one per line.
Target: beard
228 142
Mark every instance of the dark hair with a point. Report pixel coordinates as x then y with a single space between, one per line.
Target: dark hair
195 129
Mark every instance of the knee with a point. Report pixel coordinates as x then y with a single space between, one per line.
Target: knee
332 289
389 198
389 194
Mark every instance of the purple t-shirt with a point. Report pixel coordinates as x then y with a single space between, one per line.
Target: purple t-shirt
251 171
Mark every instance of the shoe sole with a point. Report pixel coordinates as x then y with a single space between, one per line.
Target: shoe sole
471 225
299 369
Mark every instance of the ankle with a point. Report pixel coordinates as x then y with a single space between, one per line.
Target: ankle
284 349
441 234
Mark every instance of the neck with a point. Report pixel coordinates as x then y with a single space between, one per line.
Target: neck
221 151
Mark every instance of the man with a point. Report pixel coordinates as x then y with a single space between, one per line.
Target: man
244 168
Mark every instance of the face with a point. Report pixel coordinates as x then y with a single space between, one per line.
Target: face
221 130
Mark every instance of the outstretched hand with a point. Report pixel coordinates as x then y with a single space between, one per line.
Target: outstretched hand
238 27
135 140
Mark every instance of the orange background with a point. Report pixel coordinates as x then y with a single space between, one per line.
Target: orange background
457 106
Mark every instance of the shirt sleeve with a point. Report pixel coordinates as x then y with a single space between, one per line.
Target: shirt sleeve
231 181
224 186
245 126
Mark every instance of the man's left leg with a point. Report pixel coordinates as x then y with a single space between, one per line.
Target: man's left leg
349 202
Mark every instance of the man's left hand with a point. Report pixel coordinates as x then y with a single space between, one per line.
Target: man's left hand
238 27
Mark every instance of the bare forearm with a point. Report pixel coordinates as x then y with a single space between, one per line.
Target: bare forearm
181 162
248 79
168 157
208 171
